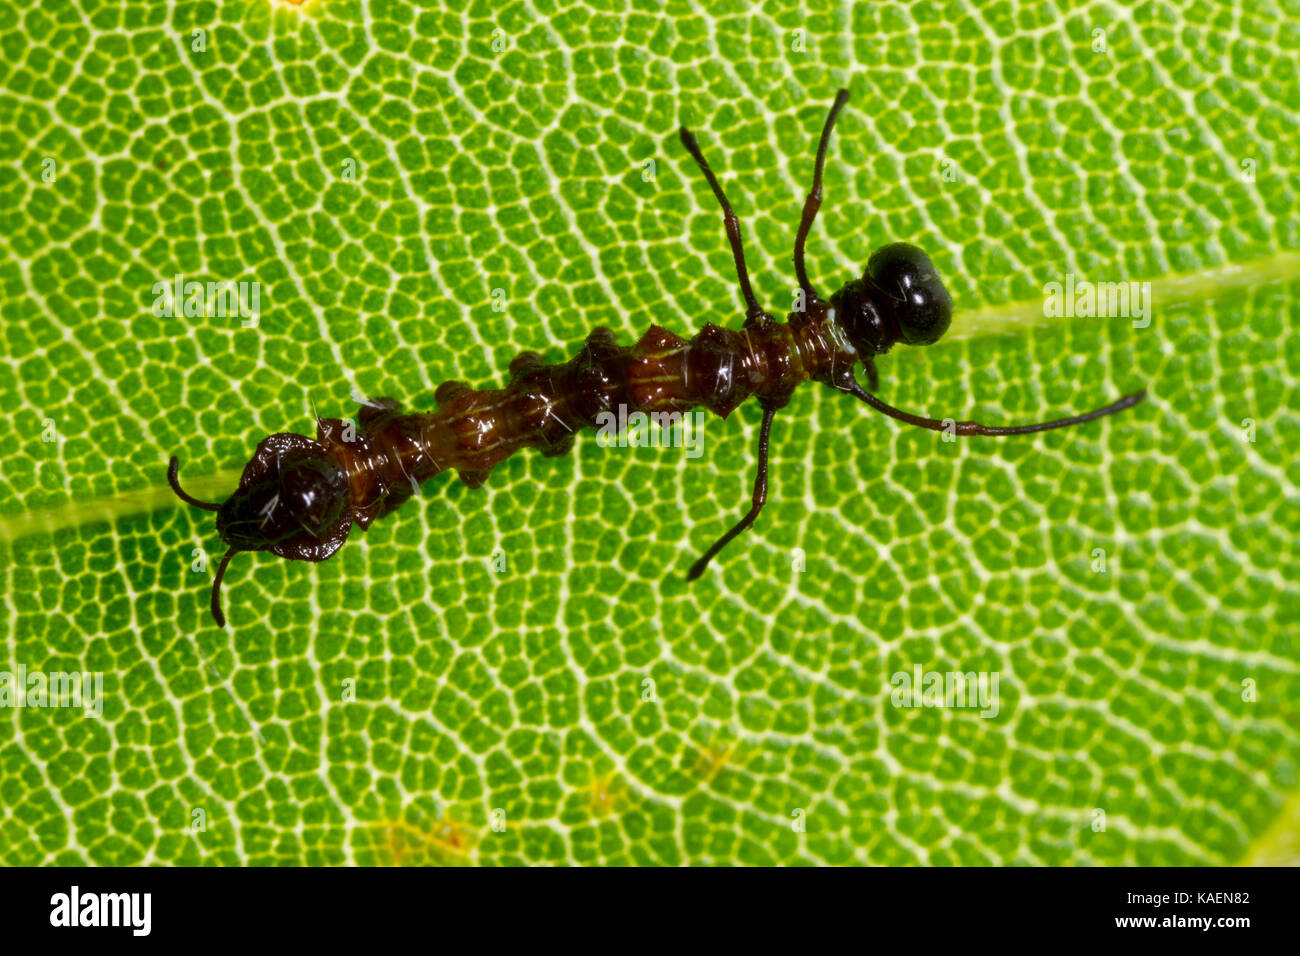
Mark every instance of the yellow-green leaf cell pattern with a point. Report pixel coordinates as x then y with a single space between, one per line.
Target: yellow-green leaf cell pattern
519 673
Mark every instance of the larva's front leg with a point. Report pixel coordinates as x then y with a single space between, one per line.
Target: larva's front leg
760 499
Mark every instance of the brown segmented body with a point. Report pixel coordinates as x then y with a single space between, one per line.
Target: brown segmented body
546 406
299 498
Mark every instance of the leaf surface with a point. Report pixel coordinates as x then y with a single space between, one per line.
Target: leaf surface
407 702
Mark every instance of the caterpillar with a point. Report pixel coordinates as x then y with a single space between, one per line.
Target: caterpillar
299 498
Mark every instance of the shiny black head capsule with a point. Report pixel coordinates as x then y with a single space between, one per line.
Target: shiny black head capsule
293 500
900 298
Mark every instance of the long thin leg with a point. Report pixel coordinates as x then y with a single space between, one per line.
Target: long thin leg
814 201
975 428
760 498
753 311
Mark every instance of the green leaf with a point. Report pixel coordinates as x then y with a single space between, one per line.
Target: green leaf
406 703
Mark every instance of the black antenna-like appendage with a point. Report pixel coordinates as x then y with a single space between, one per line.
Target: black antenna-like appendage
975 428
173 479
216 587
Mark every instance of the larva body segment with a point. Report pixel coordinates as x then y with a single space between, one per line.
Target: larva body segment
545 406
